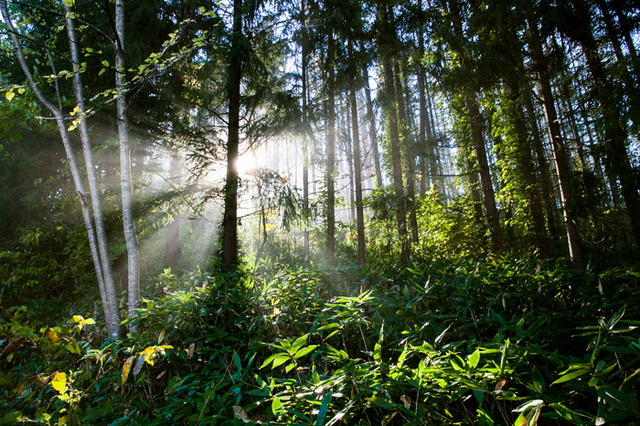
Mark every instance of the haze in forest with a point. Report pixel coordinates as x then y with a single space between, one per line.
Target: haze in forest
399 201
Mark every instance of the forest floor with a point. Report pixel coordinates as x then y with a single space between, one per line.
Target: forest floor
444 342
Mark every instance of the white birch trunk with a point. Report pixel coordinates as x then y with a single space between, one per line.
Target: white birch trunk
130 237
112 326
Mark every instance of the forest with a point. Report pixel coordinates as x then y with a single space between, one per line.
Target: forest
320 212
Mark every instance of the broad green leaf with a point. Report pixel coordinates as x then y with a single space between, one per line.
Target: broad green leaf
9 95
457 363
474 359
571 376
322 412
236 362
377 351
276 406
300 342
269 360
278 361
302 352
484 418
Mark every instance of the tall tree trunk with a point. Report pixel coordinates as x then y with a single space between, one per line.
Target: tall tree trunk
488 194
96 236
386 40
306 135
331 152
561 160
234 76
525 162
130 237
544 172
406 145
614 132
94 190
622 67
373 139
357 162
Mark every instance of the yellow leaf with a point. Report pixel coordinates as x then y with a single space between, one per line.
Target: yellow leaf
53 336
9 95
77 318
59 382
148 354
125 369
21 90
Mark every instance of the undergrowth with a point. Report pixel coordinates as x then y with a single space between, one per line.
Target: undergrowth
508 342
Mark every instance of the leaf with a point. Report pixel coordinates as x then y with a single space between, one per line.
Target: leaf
126 367
529 415
324 408
280 360
538 380
620 400
571 376
139 364
300 341
377 351
9 95
22 385
53 336
524 407
474 359
304 351
59 382
276 406
484 418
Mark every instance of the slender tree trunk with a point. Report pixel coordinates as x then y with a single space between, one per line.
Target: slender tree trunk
357 163
622 67
614 132
331 153
474 185
130 237
94 190
96 237
386 38
422 107
525 162
561 160
488 195
306 136
373 139
426 146
406 145
234 76
544 172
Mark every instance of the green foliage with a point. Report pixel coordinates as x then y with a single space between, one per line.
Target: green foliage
504 342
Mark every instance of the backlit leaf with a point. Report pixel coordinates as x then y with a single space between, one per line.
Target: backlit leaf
126 367
59 382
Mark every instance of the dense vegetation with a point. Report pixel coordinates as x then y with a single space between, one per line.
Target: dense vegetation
319 212
489 342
